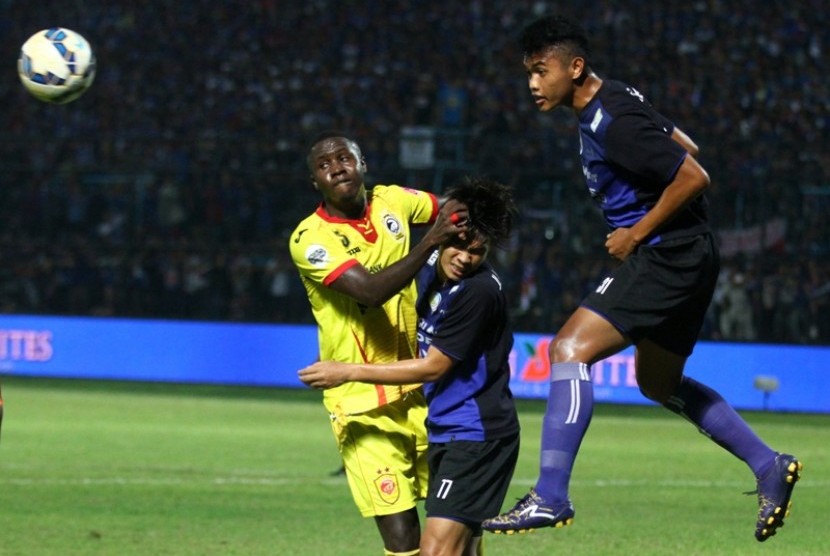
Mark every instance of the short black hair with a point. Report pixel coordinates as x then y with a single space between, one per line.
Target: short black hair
328 134
556 31
490 204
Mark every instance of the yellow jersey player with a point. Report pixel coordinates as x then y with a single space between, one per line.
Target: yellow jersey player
353 255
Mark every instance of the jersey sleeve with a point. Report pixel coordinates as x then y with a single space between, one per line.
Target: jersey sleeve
422 206
643 146
315 256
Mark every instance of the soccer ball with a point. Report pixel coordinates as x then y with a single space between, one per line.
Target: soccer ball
56 65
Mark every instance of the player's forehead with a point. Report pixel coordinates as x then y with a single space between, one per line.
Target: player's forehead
334 146
546 58
475 243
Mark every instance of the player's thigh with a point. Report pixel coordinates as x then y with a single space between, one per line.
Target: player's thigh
659 370
382 454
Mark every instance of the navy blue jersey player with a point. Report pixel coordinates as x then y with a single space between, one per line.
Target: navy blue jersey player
464 318
464 344
642 172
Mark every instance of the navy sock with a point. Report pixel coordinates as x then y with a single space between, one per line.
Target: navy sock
568 414
715 418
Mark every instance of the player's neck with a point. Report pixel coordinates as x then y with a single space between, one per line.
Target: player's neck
586 91
348 211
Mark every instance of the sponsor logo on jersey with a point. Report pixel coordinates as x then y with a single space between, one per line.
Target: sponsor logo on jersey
343 239
590 177
603 287
635 93
316 255
597 120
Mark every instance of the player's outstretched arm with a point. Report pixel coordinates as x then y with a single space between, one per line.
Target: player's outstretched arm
373 290
329 374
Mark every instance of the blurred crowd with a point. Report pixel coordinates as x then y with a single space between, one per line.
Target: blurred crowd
168 190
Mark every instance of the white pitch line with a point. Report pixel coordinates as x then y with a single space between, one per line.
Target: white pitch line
282 481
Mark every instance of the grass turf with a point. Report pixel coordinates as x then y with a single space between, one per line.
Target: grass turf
137 469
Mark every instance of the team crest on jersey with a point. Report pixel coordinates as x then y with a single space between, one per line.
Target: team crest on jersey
392 224
434 301
387 485
316 255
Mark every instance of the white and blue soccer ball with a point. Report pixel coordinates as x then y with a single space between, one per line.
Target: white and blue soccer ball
56 65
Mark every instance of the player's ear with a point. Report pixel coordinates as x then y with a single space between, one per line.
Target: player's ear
578 68
314 183
363 166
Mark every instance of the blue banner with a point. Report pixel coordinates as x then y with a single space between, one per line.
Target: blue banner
156 350
750 376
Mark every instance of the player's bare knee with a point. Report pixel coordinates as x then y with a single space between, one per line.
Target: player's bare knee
400 532
561 349
433 546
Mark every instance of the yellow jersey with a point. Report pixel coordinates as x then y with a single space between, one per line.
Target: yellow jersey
323 247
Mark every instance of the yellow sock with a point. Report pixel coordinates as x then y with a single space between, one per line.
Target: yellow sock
415 552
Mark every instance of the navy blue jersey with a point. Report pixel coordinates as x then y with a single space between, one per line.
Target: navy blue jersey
629 157
467 321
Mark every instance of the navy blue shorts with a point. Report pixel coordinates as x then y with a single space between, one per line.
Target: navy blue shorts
661 292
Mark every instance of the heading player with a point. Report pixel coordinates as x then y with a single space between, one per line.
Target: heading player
642 173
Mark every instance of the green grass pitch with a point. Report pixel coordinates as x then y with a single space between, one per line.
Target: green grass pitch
123 469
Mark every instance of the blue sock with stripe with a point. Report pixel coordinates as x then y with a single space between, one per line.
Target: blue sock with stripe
715 418
568 414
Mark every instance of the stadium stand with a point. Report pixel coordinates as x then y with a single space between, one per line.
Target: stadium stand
168 189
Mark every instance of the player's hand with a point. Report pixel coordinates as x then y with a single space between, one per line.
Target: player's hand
620 243
324 374
452 220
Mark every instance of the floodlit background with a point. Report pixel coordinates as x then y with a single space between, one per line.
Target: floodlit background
169 188
162 200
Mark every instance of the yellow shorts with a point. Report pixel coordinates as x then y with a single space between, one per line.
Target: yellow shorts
384 453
